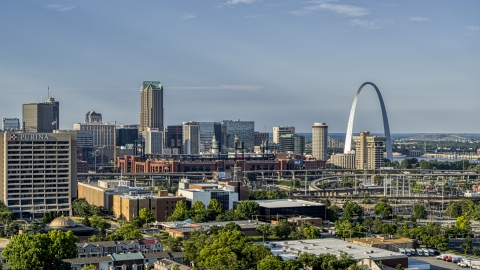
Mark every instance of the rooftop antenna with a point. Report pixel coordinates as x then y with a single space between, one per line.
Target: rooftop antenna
48 91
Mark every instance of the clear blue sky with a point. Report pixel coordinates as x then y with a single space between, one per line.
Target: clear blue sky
276 62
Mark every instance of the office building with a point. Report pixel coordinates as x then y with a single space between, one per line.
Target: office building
153 139
93 117
127 135
243 131
151 105
261 138
173 139
102 134
319 141
287 208
204 192
291 143
207 131
41 117
282 130
191 138
38 172
343 161
369 151
10 124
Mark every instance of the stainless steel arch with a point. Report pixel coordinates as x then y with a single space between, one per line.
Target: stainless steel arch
386 128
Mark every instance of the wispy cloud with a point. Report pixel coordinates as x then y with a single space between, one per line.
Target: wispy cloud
234 2
368 24
474 28
59 7
221 87
418 19
188 16
343 10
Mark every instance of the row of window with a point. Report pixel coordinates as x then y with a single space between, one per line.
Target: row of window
37 202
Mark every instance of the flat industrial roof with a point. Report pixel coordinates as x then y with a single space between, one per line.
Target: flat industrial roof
291 249
280 203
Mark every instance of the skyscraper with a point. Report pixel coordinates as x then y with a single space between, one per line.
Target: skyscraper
191 138
92 116
369 151
207 131
153 139
10 124
151 105
242 130
41 117
319 141
282 130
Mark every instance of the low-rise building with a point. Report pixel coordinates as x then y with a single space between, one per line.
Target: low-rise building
184 229
204 192
104 248
287 208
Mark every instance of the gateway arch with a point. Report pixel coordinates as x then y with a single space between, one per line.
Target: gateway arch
386 128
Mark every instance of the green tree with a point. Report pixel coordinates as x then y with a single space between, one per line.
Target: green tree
35 228
90 267
12 228
82 208
463 223
86 222
283 229
100 223
399 267
175 267
351 209
215 206
146 215
377 223
63 244
198 206
265 229
180 212
246 210
36 252
128 232
172 244
232 226
332 213
384 209
344 229
476 251
6 214
95 238
467 245
419 211
309 231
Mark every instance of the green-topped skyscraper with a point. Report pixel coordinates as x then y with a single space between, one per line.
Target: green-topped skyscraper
151 105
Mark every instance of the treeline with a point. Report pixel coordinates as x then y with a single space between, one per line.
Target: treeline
412 163
214 211
266 195
228 248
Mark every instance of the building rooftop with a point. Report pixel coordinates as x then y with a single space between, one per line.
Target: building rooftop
291 249
280 203
127 256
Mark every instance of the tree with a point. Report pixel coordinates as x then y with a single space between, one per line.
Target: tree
332 213
86 222
309 231
463 223
12 228
6 214
344 229
198 206
100 223
180 212
50 216
246 210
63 244
232 226
84 209
128 232
36 252
215 206
476 251
351 209
467 245
399 267
419 211
382 208
146 215
172 244
377 223
35 228
283 229
90 267
265 229
95 238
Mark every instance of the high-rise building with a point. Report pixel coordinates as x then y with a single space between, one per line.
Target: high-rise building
173 139
260 138
242 130
319 141
369 151
291 143
282 130
151 105
191 138
41 117
10 124
92 117
207 131
102 134
127 135
38 172
153 138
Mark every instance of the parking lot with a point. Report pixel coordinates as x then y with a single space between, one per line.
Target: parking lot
438 264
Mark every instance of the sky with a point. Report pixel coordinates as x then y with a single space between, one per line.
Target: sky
276 62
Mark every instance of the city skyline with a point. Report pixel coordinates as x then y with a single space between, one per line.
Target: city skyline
272 62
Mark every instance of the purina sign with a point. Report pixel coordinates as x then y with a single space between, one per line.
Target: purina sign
28 137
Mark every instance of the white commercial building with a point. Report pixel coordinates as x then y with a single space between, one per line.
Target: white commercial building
204 192
319 141
153 139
